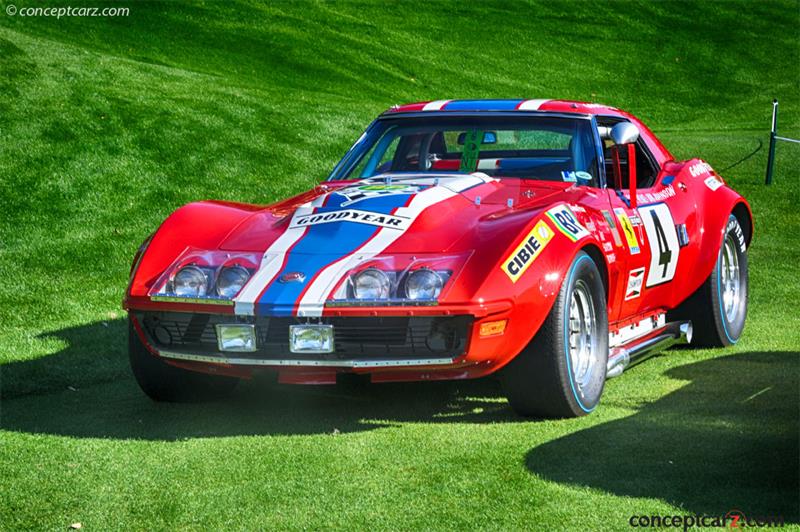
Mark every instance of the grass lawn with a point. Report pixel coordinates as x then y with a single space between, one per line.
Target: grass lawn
109 124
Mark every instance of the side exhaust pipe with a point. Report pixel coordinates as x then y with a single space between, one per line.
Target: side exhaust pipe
673 333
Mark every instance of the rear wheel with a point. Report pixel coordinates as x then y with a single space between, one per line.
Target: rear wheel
562 371
718 309
162 382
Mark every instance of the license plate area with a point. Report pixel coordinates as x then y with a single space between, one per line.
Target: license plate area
311 338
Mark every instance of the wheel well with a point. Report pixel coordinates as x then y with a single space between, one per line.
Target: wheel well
745 220
597 256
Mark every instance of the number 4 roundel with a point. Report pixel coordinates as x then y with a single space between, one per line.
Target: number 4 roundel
663 241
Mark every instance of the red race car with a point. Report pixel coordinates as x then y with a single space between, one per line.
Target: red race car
553 242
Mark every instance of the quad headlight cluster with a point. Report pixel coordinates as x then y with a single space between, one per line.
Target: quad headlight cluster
197 281
398 280
417 285
206 275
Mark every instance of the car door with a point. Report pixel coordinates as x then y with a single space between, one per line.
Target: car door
650 233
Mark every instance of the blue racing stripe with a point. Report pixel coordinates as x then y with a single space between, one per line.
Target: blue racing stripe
322 245
482 105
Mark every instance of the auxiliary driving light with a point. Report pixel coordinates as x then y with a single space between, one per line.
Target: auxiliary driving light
238 338
311 338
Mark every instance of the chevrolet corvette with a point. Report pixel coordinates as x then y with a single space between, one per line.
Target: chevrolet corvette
552 243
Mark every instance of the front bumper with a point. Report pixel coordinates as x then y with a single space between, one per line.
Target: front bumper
360 341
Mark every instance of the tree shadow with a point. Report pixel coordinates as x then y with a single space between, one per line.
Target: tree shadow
728 439
87 390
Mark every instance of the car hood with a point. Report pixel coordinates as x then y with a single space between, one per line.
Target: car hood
405 213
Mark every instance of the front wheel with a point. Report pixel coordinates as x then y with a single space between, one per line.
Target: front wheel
562 371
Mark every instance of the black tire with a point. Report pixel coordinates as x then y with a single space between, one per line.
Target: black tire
711 324
162 382
539 382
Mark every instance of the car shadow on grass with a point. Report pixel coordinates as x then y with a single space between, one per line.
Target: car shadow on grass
726 440
87 390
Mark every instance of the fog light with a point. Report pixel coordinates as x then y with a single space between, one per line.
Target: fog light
493 328
237 338
311 338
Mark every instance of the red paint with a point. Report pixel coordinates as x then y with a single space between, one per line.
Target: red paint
487 233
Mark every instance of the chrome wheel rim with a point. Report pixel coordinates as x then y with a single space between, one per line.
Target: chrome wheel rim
731 279
582 335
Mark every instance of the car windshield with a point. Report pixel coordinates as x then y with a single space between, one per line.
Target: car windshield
521 147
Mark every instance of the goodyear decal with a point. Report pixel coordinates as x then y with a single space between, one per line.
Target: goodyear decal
353 215
627 230
523 256
567 223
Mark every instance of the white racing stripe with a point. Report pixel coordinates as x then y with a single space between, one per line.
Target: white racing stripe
435 105
531 105
313 300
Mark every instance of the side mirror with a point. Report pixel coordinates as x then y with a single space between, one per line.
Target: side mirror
624 135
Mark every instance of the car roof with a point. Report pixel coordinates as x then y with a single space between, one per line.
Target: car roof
542 105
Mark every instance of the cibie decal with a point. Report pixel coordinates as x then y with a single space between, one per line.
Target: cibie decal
353 215
627 230
567 223
713 183
362 192
523 256
635 283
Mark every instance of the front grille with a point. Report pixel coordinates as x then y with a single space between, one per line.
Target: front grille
355 338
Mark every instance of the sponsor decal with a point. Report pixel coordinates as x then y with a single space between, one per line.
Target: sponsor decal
635 282
353 215
699 169
713 183
567 223
612 228
627 230
526 252
607 247
655 197
471 151
362 192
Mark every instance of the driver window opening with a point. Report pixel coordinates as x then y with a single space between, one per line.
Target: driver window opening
646 170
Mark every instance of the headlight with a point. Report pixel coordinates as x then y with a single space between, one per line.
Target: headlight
371 284
190 282
230 280
423 284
